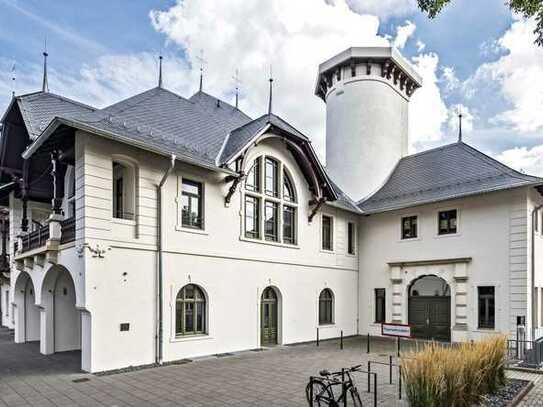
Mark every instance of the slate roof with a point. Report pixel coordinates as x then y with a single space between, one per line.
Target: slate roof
452 171
40 108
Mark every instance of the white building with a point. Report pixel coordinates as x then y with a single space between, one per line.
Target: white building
243 240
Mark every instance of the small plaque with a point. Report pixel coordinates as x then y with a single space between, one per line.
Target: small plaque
125 327
397 330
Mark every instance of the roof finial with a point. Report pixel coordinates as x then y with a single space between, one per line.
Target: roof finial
202 63
271 91
459 126
237 82
13 77
160 71
45 85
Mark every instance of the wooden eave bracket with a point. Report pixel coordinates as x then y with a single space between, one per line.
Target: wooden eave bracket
235 179
318 203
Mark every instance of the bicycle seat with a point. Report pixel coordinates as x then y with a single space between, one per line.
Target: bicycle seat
324 372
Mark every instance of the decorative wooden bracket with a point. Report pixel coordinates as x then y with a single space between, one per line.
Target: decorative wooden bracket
318 203
235 179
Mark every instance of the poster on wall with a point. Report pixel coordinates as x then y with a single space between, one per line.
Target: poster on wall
396 330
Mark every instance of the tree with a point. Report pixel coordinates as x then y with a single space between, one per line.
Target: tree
527 8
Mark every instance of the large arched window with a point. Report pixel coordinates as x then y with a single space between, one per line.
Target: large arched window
190 311
326 307
270 202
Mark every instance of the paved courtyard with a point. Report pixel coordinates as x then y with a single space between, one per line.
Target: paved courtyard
274 377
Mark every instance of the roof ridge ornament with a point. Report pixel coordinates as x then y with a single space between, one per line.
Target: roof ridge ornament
459 125
13 77
237 82
45 85
202 61
271 91
160 71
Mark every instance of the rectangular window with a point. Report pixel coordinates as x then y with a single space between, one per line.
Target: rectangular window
351 238
271 221
486 298
118 199
289 225
447 222
191 198
252 217
327 233
271 177
409 227
380 305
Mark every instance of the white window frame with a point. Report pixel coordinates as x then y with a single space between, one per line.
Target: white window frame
458 222
332 230
134 169
179 202
419 226
355 238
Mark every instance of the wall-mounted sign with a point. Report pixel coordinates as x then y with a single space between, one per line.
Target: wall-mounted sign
398 330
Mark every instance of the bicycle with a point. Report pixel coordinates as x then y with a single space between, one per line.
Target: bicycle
320 391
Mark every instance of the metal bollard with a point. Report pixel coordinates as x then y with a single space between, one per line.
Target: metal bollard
375 390
400 382
390 368
341 341
317 336
368 344
398 342
369 375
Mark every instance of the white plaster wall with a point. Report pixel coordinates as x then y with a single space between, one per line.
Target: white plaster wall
6 319
366 130
231 269
491 230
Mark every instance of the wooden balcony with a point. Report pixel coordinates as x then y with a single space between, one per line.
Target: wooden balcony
35 239
67 233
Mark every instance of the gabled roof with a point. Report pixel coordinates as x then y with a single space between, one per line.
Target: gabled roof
38 109
452 171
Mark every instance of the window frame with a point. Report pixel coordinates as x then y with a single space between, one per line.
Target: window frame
332 240
200 196
131 170
483 322
410 218
257 217
329 305
265 198
457 228
377 304
351 240
195 301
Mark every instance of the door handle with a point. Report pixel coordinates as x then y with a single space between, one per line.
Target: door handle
427 321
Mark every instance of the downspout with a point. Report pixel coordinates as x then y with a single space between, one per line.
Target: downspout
532 261
159 335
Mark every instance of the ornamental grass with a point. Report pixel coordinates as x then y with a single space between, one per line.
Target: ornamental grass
454 376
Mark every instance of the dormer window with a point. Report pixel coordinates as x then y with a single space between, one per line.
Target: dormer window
124 191
270 212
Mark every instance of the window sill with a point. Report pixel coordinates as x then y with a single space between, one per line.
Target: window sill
121 221
324 326
410 239
269 243
485 330
457 234
327 251
190 338
195 231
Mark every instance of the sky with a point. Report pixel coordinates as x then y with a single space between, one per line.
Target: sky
475 57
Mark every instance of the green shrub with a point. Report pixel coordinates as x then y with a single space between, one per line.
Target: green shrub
455 376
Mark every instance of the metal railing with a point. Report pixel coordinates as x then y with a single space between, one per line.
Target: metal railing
525 353
67 232
35 239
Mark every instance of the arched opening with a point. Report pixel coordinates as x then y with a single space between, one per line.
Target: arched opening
190 311
326 307
62 330
270 316
429 312
27 325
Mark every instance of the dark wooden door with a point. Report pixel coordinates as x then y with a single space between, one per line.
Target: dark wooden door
268 319
430 317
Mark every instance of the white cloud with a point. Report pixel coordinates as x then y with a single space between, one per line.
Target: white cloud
403 33
449 78
295 36
427 111
383 8
517 74
420 46
524 159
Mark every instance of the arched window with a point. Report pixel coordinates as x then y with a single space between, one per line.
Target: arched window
190 311
271 208
326 307
124 191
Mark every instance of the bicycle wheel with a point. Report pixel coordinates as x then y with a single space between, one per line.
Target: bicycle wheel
357 401
321 394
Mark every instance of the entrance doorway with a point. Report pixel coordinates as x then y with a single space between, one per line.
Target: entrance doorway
269 317
429 312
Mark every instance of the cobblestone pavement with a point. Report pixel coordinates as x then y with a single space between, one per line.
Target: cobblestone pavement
535 396
273 377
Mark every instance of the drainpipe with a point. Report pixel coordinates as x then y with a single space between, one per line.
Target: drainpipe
534 305
160 328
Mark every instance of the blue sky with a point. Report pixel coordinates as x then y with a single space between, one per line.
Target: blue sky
475 54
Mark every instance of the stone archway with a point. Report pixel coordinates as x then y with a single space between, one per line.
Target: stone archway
61 320
429 308
27 313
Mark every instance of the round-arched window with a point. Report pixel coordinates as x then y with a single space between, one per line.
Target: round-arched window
429 286
270 202
326 307
190 311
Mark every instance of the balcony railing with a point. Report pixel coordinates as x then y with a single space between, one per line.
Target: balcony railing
67 232
35 239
